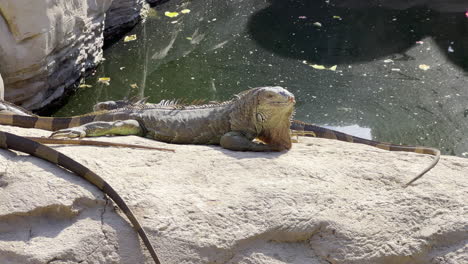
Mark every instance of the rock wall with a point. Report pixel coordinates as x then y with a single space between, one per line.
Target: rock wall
322 202
2 89
47 45
122 14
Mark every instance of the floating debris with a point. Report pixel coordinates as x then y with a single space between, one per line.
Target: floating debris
171 14
85 86
189 38
424 67
104 80
121 68
396 69
322 67
185 11
134 86
450 49
466 14
317 24
337 17
130 38
388 61
420 42
302 17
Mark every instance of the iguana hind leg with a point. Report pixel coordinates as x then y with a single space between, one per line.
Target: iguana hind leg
239 142
101 128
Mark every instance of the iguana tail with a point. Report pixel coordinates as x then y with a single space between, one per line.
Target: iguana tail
305 129
46 123
10 141
84 142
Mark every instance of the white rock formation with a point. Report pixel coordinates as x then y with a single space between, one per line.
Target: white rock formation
322 202
46 45
2 89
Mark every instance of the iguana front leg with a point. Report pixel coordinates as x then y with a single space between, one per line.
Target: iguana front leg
239 142
101 128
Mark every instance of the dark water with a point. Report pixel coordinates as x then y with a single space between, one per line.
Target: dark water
378 90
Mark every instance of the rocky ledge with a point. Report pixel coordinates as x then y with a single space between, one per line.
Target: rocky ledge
321 202
46 47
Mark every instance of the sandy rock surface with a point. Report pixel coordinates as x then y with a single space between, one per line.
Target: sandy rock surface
322 202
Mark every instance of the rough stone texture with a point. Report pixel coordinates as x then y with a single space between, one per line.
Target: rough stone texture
322 202
47 45
122 15
2 89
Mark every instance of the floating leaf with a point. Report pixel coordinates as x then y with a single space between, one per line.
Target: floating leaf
134 85
337 17
130 38
85 86
302 17
185 11
321 67
189 38
317 24
318 67
104 80
171 14
388 61
419 42
424 67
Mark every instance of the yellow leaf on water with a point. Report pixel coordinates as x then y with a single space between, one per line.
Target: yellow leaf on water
317 67
85 86
337 17
171 14
333 68
424 67
130 38
104 80
189 38
185 11
134 85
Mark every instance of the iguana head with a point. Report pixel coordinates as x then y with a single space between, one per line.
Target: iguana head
274 109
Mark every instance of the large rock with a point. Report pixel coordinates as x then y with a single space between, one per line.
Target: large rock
322 202
47 45
122 15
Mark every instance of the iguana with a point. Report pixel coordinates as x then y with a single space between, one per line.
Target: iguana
262 113
10 141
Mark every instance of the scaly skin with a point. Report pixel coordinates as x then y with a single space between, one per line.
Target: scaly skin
10 141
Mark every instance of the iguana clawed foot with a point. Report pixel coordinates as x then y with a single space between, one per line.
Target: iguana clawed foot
74 132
